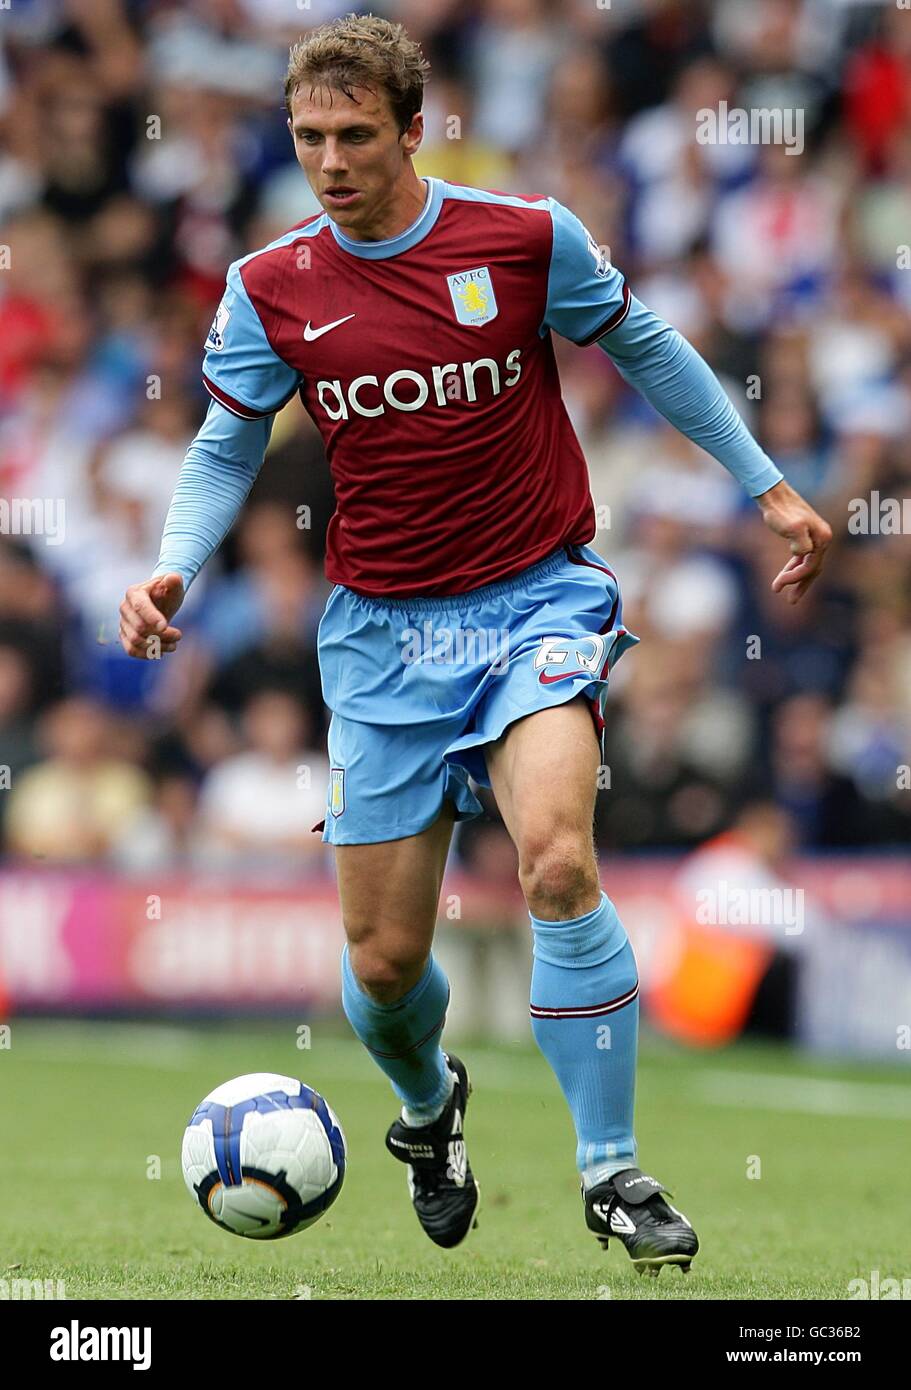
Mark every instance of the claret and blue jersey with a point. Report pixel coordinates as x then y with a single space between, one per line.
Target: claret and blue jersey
427 364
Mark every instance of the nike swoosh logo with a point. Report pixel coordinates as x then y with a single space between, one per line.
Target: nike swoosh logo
545 679
311 334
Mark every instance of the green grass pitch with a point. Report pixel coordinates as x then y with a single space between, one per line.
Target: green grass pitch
85 1109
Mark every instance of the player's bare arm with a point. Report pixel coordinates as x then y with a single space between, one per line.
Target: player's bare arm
786 513
146 613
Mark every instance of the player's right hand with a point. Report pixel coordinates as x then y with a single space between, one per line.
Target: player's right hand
145 616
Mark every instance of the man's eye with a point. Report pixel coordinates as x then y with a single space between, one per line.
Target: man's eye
309 137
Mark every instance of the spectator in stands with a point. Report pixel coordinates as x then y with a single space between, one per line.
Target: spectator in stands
17 744
75 804
259 807
166 837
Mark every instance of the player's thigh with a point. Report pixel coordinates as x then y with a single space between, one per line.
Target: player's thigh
543 772
389 894
392 802
395 881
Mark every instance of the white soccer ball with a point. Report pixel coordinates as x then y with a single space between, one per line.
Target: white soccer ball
264 1156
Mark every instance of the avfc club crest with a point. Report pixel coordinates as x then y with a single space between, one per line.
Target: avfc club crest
337 790
472 296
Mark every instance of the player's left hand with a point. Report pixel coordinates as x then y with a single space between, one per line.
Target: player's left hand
790 517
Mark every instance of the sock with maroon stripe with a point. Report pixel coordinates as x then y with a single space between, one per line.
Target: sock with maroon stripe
585 1018
403 1038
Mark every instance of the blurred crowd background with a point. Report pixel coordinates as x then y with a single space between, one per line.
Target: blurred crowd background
143 147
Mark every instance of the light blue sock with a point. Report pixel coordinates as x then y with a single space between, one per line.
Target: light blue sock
585 1018
403 1038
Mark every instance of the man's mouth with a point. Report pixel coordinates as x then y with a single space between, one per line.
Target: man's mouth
341 195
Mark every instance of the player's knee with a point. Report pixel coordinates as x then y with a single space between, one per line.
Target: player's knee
558 875
383 973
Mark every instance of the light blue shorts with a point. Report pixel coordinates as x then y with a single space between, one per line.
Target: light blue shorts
418 686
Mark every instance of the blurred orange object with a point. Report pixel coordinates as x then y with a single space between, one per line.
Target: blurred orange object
708 985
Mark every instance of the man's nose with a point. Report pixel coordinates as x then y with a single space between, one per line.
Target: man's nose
334 161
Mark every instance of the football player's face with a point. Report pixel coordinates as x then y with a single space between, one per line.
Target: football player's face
352 153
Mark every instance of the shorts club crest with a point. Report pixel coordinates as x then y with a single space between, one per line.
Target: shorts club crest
337 791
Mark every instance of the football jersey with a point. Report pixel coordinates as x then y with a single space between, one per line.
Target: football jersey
427 364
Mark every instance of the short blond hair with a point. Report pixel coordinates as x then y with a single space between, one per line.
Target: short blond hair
361 51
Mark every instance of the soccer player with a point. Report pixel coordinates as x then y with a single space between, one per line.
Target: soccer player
414 318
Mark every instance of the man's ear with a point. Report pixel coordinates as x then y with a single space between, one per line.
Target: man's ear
413 135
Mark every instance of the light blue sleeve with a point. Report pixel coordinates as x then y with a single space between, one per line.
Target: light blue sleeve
586 295
670 374
241 370
217 474
588 300
248 383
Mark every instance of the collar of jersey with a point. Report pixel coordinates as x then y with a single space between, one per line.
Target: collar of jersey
395 245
